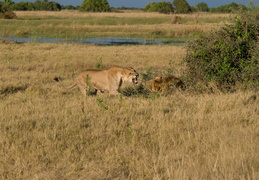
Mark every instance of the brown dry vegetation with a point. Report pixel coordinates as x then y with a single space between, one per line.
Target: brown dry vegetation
74 24
45 135
124 13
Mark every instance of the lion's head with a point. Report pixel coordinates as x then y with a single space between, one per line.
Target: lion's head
163 84
130 74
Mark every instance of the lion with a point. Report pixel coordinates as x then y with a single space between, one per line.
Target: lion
103 80
164 84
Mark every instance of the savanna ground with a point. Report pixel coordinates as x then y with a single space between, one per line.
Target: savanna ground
183 135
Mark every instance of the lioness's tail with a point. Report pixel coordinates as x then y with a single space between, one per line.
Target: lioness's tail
69 87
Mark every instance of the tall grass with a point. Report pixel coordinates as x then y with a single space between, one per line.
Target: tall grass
73 24
45 134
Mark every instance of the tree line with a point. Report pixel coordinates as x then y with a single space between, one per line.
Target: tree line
177 6
38 5
182 6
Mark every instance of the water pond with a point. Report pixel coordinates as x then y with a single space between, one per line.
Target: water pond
95 41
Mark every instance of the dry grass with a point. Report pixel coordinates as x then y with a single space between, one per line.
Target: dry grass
75 24
125 13
45 135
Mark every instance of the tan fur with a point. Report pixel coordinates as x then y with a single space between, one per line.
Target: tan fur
163 84
103 80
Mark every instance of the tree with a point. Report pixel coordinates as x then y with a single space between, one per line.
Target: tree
232 7
8 2
95 6
68 7
47 5
182 6
202 7
6 6
23 6
38 5
53 6
162 7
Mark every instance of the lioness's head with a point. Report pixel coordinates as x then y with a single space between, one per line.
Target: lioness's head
130 74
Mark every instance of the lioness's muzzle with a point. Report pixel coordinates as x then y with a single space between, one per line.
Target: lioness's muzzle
135 80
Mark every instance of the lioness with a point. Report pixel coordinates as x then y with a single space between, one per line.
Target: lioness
162 84
101 80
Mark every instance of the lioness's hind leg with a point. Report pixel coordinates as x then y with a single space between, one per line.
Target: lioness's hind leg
85 91
82 90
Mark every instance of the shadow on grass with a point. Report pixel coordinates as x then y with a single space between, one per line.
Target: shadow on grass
12 89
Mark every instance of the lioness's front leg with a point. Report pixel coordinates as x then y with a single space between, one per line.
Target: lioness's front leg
114 92
114 85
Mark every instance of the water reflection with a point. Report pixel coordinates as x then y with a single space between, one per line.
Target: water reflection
95 41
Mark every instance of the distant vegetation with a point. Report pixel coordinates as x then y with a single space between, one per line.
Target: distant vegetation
162 7
228 8
6 10
182 6
95 6
177 6
38 5
201 7
69 7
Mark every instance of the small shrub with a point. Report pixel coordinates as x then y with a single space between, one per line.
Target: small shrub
228 57
9 15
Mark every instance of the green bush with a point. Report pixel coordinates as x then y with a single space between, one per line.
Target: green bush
182 6
232 7
228 57
46 5
202 7
69 7
162 7
95 6
23 6
38 5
